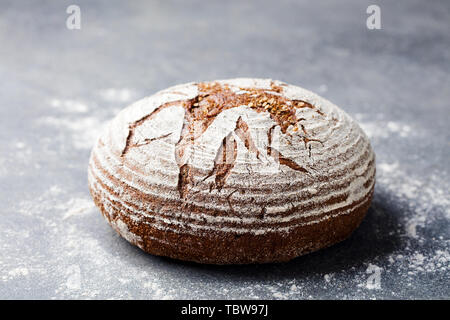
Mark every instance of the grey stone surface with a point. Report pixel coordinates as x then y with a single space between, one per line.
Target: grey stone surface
58 87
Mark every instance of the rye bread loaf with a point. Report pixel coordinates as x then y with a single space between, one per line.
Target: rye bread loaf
233 171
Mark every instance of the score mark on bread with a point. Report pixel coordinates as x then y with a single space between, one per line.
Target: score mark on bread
202 110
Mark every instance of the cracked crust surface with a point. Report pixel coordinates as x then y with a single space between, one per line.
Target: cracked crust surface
233 171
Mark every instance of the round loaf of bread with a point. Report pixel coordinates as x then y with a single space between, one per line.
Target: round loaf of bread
232 172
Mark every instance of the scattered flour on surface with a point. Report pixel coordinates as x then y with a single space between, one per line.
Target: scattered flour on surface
117 95
84 131
420 196
17 272
77 206
328 277
74 277
375 130
20 145
69 105
381 129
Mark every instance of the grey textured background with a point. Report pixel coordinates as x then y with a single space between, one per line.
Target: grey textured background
58 87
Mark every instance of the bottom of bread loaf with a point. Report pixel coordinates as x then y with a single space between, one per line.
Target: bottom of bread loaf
230 248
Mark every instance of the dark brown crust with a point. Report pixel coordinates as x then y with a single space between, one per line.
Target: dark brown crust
233 248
